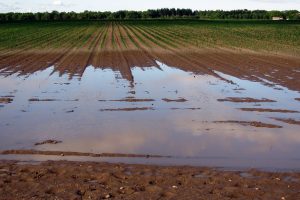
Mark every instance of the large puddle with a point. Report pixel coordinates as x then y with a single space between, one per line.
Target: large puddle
196 119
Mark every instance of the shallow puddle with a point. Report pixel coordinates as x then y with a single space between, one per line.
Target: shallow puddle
158 111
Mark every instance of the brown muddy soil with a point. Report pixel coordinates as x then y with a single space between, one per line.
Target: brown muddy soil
48 142
89 180
268 110
297 99
36 99
5 100
130 100
288 121
69 153
185 108
174 100
127 109
269 69
245 100
251 123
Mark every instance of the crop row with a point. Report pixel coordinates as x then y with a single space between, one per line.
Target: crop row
124 35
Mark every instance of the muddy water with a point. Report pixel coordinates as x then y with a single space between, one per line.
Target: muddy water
101 112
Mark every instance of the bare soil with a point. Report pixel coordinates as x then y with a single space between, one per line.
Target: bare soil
268 110
174 100
288 121
185 108
69 153
251 123
269 69
89 180
245 100
36 99
127 109
5 100
48 142
131 100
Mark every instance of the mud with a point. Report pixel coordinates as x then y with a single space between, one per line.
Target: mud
68 153
246 65
48 142
185 108
297 99
251 123
174 100
5 100
268 110
76 180
36 99
288 121
245 100
130 100
127 109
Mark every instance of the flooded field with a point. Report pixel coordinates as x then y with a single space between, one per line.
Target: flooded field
158 114
167 92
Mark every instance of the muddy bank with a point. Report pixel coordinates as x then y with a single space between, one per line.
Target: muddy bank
5 100
270 69
36 99
185 108
48 142
127 109
175 100
268 110
251 123
69 153
245 100
78 180
288 121
130 100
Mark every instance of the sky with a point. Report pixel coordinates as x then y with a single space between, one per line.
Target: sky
111 5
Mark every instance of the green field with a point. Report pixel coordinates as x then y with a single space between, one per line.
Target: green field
283 37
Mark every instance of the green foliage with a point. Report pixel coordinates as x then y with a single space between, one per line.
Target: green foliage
164 13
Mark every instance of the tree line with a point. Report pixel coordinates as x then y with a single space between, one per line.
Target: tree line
164 13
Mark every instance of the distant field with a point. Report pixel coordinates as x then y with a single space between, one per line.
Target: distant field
238 48
282 37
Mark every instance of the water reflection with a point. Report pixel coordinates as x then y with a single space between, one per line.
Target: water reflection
80 116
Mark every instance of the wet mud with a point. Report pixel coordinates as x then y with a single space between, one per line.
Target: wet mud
131 100
245 100
251 123
174 100
288 121
127 109
48 142
68 153
271 70
5 100
88 180
268 110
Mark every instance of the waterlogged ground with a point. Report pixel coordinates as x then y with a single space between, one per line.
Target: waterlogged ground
201 120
